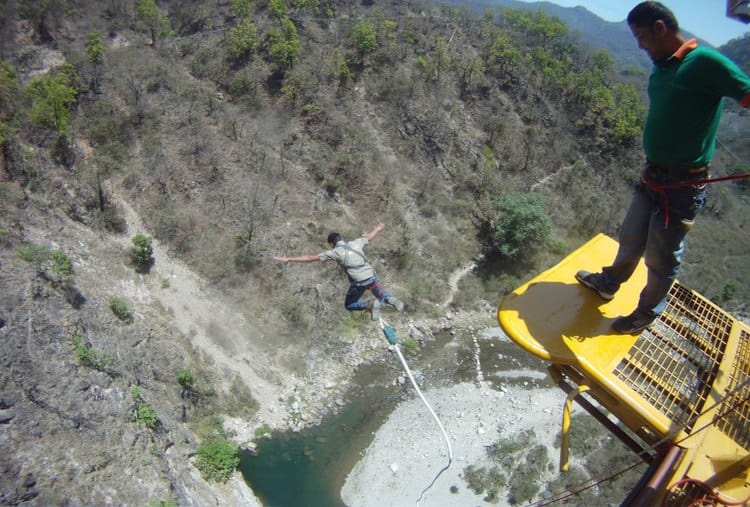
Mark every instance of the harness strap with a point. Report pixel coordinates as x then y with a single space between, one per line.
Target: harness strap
661 188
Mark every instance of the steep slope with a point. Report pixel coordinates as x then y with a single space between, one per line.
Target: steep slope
226 161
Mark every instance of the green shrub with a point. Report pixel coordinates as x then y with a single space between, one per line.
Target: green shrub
160 502
137 393
62 264
34 254
504 449
120 309
87 355
241 8
409 345
146 415
418 290
263 432
310 109
526 479
522 225
144 412
217 458
185 378
277 9
485 480
141 253
40 254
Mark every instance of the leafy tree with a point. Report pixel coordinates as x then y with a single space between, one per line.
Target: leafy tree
628 115
277 9
95 48
540 26
555 70
151 19
9 95
241 8
51 98
285 48
141 252
440 56
502 56
243 39
364 38
603 61
339 67
522 225
95 53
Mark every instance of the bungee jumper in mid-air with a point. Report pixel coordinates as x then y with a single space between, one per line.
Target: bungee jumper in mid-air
362 276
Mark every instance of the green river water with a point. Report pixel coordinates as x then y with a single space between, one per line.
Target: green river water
309 468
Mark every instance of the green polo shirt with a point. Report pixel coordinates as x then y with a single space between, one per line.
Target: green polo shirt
685 103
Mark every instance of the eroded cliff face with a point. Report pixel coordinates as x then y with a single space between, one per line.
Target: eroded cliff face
69 432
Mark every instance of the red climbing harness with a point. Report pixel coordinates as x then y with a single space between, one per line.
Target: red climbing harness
661 188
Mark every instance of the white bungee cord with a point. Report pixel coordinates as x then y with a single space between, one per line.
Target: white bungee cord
390 335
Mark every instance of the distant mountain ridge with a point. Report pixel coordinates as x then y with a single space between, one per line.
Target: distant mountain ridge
590 28
739 51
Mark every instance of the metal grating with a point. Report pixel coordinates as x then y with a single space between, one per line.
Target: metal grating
735 409
673 364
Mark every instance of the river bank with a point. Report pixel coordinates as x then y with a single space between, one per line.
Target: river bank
409 449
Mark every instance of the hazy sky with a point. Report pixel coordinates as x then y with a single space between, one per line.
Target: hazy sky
703 18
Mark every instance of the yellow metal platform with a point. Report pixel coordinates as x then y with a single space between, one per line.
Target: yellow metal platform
686 379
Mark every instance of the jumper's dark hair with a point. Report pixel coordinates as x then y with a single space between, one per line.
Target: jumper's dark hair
645 14
334 238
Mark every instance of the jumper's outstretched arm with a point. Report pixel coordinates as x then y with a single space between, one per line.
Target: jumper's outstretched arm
301 258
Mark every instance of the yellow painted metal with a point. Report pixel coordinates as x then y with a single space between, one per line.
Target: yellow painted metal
685 380
564 445
557 319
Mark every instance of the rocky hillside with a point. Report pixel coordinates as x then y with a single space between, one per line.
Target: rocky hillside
229 132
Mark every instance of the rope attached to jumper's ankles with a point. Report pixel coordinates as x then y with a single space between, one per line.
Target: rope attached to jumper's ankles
390 335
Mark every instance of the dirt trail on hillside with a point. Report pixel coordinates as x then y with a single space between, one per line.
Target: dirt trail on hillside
221 333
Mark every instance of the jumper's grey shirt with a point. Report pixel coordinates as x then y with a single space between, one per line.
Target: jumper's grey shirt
351 257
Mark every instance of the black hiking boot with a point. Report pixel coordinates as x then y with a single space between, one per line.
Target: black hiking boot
633 323
595 282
